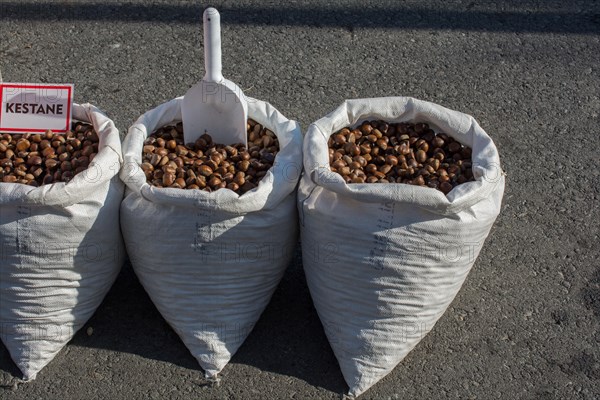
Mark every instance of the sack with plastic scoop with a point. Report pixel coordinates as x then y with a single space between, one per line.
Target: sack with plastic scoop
210 261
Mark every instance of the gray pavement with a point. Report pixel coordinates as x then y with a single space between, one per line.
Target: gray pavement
526 323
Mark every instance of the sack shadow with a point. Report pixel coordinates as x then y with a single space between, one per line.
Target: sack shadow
130 323
7 366
287 340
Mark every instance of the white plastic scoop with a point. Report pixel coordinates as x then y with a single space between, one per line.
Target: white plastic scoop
214 105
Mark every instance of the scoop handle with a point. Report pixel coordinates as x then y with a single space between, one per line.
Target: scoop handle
212 45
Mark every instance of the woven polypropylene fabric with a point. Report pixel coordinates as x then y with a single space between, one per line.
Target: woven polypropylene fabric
384 261
61 250
210 262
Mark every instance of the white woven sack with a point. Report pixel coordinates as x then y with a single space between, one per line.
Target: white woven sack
211 261
61 250
384 261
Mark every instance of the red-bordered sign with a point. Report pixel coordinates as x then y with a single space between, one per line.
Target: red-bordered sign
27 107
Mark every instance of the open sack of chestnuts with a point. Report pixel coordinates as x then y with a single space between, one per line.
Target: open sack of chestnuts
397 198
60 242
210 228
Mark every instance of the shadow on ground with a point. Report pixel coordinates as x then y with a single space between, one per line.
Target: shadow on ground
288 339
468 16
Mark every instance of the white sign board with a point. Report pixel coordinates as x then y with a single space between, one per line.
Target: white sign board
28 107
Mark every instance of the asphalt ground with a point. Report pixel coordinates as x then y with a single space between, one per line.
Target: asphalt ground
525 324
